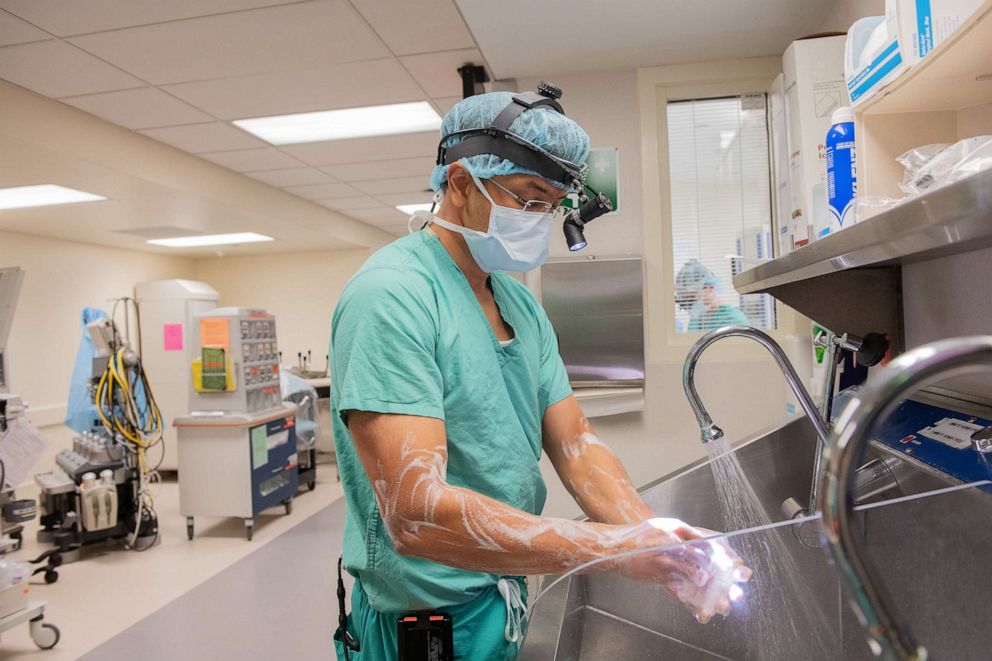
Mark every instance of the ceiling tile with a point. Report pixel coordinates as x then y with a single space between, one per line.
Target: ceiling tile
392 20
285 38
335 86
387 147
353 203
394 199
444 105
139 109
292 177
15 31
382 214
251 160
68 17
400 185
55 68
201 138
400 167
437 73
322 191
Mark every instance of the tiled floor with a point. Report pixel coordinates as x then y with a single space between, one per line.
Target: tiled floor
166 602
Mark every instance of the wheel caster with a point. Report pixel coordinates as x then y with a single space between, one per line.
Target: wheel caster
249 529
289 507
45 636
311 485
51 576
189 527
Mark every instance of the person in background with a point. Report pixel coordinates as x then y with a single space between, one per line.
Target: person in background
448 387
697 292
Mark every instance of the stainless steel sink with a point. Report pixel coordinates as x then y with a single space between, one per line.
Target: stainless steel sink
933 555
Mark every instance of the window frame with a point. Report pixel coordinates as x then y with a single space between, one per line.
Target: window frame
676 344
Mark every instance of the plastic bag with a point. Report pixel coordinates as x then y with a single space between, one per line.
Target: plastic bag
932 166
294 389
81 413
872 205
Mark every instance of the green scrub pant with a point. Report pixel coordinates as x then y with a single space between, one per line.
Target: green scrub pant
478 628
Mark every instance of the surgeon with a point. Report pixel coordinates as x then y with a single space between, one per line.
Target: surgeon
697 292
448 387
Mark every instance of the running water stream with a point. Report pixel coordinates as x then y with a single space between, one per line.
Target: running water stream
782 614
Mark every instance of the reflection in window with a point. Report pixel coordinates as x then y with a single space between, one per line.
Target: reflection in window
721 207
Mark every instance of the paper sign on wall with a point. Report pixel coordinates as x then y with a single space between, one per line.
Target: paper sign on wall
173 337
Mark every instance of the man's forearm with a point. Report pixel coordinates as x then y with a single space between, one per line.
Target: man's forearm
462 528
599 483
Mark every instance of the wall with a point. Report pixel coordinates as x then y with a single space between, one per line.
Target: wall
742 387
842 13
61 277
300 289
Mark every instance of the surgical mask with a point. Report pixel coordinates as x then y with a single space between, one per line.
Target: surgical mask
517 240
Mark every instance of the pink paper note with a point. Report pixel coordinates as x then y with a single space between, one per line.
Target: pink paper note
173 337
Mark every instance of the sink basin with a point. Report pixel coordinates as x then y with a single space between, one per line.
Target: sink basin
931 555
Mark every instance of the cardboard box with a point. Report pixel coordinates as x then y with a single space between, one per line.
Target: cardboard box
925 24
813 76
778 128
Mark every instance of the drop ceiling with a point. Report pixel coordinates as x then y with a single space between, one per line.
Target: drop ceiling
592 35
179 71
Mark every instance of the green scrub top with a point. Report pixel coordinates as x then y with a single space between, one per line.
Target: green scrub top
724 315
409 337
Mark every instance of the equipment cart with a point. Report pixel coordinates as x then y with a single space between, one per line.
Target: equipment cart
237 464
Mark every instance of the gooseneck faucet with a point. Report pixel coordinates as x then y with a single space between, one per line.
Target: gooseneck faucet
709 431
887 637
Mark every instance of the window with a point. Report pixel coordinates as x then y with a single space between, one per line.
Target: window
721 207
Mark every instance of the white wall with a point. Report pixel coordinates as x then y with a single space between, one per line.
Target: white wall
742 388
843 13
60 278
300 289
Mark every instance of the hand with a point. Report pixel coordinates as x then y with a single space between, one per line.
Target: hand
703 575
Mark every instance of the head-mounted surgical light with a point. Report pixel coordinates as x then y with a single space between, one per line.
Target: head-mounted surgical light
497 139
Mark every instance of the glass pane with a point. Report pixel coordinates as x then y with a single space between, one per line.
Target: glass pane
721 207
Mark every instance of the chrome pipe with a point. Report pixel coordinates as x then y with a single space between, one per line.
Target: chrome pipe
887 636
708 430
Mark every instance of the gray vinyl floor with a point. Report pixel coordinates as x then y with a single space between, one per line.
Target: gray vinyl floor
277 603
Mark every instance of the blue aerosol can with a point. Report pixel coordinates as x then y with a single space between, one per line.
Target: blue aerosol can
842 173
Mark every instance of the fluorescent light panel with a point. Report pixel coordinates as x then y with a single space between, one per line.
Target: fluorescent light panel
210 240
43 195
342 124
410 209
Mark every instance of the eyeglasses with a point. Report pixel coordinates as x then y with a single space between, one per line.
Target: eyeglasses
533 206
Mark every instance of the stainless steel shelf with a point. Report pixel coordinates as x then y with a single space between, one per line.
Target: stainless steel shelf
953 219
851 281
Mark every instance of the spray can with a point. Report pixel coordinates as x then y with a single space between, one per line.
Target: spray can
842 177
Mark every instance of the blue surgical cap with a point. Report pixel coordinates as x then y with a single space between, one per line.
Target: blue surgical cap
695 275
543 126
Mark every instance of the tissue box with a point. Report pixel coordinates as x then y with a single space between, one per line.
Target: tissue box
879 49
925 24
14 598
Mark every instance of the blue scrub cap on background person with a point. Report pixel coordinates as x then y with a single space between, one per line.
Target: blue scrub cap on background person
695 275
542 126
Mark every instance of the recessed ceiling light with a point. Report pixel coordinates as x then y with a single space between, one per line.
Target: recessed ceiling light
341 124
410 209
42 195
210 240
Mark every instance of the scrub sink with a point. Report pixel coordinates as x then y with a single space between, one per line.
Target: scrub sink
931 553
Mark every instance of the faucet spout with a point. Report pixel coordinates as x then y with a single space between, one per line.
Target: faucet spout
911 371
709 431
